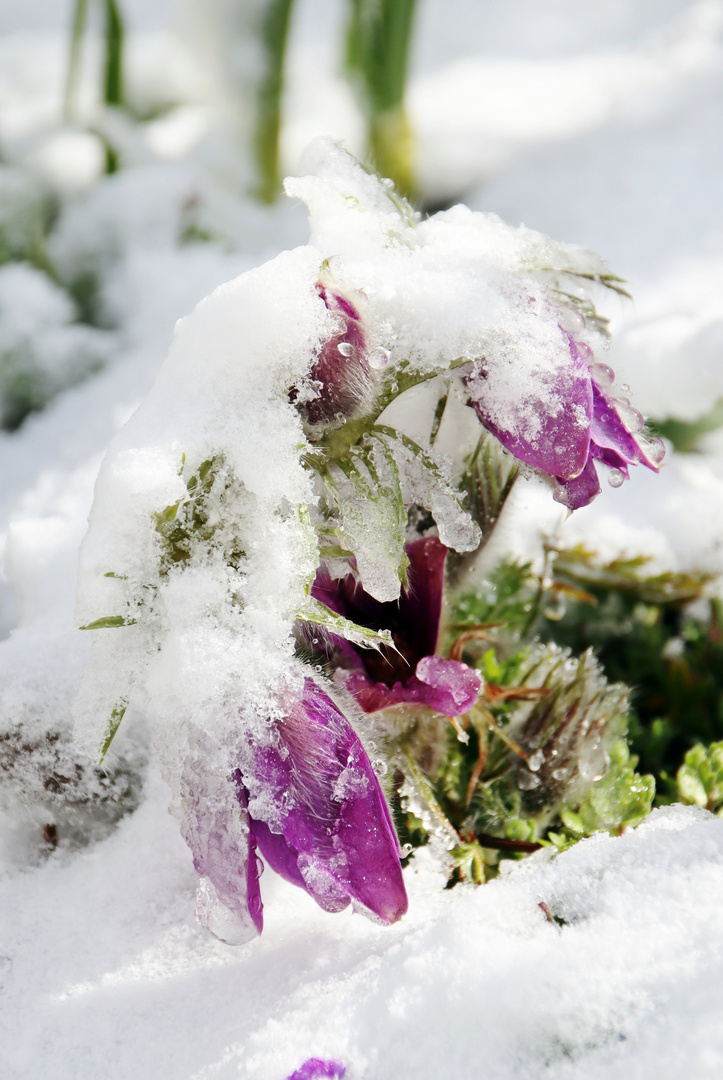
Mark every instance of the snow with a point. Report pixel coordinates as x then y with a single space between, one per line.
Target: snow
628 983
597 125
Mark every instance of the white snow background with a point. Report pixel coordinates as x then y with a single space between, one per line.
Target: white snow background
596 123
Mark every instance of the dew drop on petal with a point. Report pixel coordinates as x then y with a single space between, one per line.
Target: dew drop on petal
584 351
615 478
654 449
345 348
378 357
570 320
407 849
625 388
380 767
632 419
603 375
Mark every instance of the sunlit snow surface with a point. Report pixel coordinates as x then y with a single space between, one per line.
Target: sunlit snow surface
106 973
598 124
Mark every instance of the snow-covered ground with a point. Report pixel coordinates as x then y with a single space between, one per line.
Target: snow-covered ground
598 124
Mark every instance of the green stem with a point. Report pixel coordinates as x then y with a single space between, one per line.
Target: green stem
377 55
268 125
113 72
76 40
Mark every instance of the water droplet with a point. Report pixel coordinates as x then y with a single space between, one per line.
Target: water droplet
315 641
318 667
559 774
527 780
603 375
615 478
556 609
378 357
632 419
407 849
536 760
345 348
570 320
380 767
654 449
372 745
388 182
584 351
625 388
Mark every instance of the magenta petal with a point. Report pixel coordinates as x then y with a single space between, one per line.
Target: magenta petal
549 428
608 430
610 433
580 491
282 857
413 619
314 798
341 369
319 1069
447 686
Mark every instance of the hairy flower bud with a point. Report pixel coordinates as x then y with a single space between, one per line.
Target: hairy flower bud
341 375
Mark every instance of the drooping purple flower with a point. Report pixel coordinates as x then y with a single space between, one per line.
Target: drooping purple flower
317 813
574 422
319 1069
341 374
412 673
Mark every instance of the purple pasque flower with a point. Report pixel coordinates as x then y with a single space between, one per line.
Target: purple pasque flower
319 1069
575 421
341 373
317 814
412 673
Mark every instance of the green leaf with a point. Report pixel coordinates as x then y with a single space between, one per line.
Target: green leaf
320 615
108 622
700 778
620 800
113 724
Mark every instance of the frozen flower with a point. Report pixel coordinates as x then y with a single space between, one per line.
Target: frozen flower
342 379
317 814
413 673
577 421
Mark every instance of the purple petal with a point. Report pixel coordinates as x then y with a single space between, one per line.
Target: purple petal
319 1069
447 686
413 619
341 369
549 426
609 432
581 490
319 814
